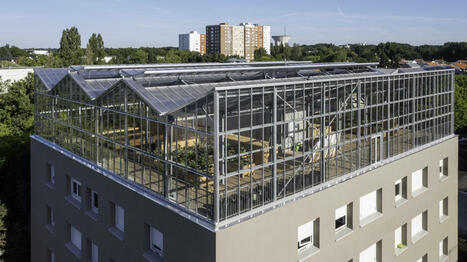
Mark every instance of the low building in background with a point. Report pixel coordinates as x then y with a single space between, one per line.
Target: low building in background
14 74
278 161
281 39
38 51
461 66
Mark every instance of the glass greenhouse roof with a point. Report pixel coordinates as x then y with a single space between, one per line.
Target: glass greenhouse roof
169 87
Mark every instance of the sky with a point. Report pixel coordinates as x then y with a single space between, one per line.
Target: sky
152 23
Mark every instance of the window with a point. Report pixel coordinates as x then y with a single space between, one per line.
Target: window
50 256
341 215
156 241
370 206
76 189
443 209
343 220
75 237
50 174
94 252
423 259
400 191
400 239
443 168
94 202
443 249
119 218
371 254
305 235
50 218
419 181
308 239
419 226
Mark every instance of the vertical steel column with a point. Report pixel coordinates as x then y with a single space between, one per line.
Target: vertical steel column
274 145
388 116
166 158
322 134
125 105
96 130
216 156
359 123
452 101
413 110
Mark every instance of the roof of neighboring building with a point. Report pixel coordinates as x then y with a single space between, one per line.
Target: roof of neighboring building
460 64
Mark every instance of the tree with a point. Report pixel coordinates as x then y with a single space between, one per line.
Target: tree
139 57
3 213
70 47
259 53
3 85
95 51
16 124
16 107
460 104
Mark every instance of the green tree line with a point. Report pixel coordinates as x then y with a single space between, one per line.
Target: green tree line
387 54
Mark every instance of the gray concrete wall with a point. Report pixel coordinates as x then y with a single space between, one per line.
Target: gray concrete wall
183 239
273 236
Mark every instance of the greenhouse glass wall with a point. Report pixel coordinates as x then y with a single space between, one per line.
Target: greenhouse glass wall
225 140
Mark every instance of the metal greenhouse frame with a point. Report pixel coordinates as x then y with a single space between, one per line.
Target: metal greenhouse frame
224 142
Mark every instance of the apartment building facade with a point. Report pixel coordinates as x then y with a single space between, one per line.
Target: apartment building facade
219 39
244 167
238 40
190 41
241 40
202 45
249 40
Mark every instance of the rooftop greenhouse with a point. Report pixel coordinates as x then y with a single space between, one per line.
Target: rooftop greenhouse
220 142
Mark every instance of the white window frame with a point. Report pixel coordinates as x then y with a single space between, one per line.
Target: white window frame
94 203
417 224
119 218
418 178
441 165
156 240
368 205
370 254
94 252
77 195
397 237
341 212
442 168
75 237
398 196
305 231
418 229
